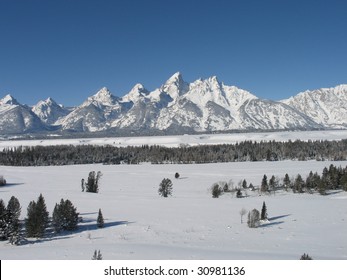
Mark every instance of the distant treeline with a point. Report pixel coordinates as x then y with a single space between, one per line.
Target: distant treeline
243 151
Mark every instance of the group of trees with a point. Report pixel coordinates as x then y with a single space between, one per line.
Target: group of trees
254 216
65 217
332 178
92 184
9 220
243 151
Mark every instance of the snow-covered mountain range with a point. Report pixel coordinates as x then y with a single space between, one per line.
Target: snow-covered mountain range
205 105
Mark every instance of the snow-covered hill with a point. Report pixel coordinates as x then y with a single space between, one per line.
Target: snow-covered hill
205 105
326 106
190 225
49 111
16 118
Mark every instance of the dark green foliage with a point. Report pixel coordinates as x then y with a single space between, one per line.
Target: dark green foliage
3 223
165 187
92 184
239 193
263 215
177 175
286 182
243 151
12 216
332 178
97 255
65 216
37 218
216 190
244 184
298 184
264 187
305 257
100 220
253 218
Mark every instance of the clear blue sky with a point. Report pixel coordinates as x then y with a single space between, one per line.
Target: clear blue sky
68 49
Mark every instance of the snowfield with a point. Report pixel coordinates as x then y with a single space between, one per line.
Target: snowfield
139 224
178 140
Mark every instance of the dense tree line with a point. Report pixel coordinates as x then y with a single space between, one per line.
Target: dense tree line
243 151
332 178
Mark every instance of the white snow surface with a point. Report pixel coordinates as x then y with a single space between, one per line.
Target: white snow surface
139 224
179 140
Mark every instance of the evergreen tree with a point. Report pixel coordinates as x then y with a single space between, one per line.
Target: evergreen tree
244 184
97 255
305 257
32 221
286 181
92 184
216 190
165 187
65 216
299 184
12 216
273 184
37 218
3 223
100 220
264 184
263 215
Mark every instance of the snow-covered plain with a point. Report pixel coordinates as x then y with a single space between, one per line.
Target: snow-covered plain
176 141
139 224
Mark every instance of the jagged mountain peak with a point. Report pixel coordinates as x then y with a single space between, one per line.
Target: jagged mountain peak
102 97
9 99
136 93
175 86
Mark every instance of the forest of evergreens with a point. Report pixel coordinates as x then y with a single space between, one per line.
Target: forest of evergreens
243 151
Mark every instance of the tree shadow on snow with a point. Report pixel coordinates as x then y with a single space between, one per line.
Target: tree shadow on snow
9 185
271 224
278 217
91 227
66 234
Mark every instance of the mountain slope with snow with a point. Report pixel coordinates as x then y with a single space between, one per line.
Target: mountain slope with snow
49 111
205 105
16 118
326 106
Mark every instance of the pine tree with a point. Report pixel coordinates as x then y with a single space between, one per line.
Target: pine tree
305 257
92 184
32 221
12 216
100 220
216 190
286 181
65 216
3 223
264 185
263 215
165 187
37 218
97 255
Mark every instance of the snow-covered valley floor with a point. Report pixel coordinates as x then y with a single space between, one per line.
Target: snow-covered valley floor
139 224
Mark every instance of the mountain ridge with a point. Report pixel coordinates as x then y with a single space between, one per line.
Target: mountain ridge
204 105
